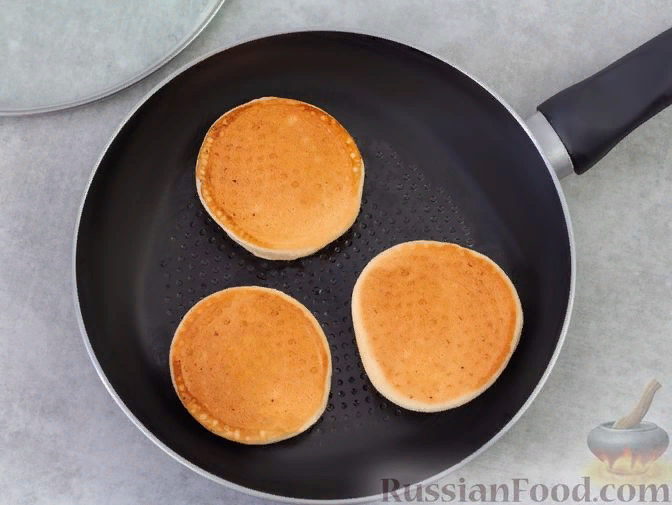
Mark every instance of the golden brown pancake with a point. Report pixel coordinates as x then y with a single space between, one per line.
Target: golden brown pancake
281 177
252 365
435 324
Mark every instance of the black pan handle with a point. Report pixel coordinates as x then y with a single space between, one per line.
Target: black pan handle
591 117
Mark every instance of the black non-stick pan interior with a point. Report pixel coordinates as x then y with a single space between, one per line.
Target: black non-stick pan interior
444 161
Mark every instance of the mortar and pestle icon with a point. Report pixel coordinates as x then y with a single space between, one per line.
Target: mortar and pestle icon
629 446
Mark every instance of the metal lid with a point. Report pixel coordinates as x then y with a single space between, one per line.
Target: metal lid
57 54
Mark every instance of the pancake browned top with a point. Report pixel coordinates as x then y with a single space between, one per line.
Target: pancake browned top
251 364
282 177
435 323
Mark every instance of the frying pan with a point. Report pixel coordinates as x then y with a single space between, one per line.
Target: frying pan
446 160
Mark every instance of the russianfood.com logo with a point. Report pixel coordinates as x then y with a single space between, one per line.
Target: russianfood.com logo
519 489
627 468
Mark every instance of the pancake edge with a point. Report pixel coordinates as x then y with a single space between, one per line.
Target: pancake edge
371 365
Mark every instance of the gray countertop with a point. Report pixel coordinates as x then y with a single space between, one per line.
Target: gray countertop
64 440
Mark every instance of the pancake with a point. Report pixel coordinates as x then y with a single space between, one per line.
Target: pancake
281 177
435 324
252 365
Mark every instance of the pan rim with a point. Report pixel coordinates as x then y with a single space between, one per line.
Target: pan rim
340 501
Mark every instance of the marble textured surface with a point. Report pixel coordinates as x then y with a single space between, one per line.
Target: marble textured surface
63 439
